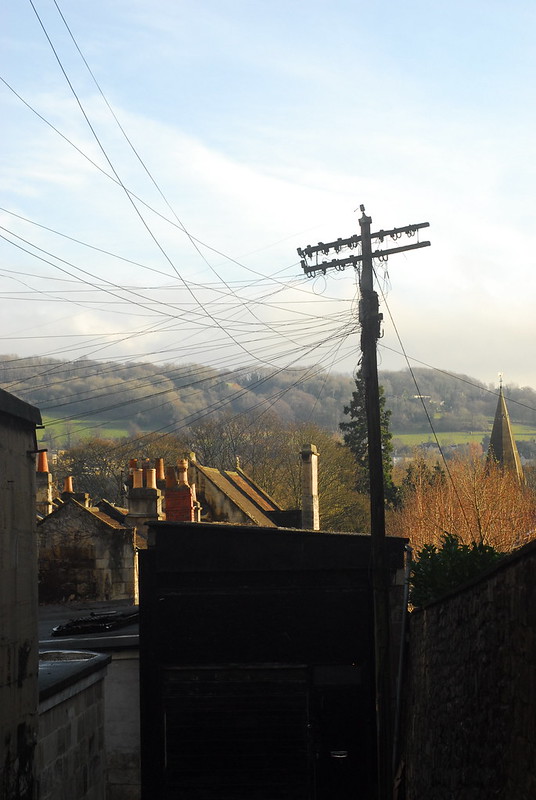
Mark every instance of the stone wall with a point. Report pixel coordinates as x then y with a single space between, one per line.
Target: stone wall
471 695
122 723
83 558
71 761
18 602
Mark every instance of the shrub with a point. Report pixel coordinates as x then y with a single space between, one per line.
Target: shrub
438 570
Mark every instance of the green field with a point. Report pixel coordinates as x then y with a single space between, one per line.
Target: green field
521 432
61 432
64 433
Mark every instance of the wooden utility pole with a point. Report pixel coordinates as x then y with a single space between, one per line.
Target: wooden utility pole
370 320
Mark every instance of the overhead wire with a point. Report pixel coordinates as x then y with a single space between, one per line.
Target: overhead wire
225 330
419 393
150 397
220 404
202 306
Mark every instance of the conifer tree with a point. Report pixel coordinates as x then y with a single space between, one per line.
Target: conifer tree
355 435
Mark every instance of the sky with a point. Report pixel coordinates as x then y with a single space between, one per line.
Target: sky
162 162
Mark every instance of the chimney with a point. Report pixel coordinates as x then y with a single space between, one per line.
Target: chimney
137 478
160 473
150 478
144 501
310 512
69 493
180 496
132 465
43 496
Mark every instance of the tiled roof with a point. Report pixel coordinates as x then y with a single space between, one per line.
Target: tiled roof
251 490
112 523
94 512
241 500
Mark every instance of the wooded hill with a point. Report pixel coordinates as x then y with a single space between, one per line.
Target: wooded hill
133 397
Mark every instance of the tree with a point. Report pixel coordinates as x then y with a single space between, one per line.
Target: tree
473 500
269 451
96 466
100 466
438 570
420 473
355 434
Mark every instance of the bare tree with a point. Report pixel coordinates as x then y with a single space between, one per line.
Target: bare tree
473 500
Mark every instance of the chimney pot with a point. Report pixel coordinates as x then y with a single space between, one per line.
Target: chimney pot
150 478
160 471
182 468
137 479
42 461
68 484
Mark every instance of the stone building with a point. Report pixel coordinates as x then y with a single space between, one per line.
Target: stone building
18 598
84 554
91 551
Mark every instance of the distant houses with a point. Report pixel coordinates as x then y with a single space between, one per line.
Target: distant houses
90 551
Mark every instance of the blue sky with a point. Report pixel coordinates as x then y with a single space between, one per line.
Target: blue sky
264 126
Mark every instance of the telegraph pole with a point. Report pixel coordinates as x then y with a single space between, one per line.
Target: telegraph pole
370 321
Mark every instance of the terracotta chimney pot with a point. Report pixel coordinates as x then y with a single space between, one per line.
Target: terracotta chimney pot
160 471
42 461
137 479
150 481
68 484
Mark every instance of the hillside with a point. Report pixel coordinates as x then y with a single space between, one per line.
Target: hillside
130 397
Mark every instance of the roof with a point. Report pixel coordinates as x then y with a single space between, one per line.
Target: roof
71 504
115 512
248 487
203 547
502 446
246 498
14 407
59 669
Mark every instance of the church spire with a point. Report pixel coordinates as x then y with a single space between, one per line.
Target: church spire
502 447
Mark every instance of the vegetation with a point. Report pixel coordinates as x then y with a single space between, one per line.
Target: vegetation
355 436
88 398
268 451
440 569
475 501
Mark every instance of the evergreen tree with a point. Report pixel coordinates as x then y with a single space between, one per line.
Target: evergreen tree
355 434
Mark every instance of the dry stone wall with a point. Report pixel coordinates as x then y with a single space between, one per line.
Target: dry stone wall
471 699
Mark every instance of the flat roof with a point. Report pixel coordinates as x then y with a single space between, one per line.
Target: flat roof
59 669
15 407
216 547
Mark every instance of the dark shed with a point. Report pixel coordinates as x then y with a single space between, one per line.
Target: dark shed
256 659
